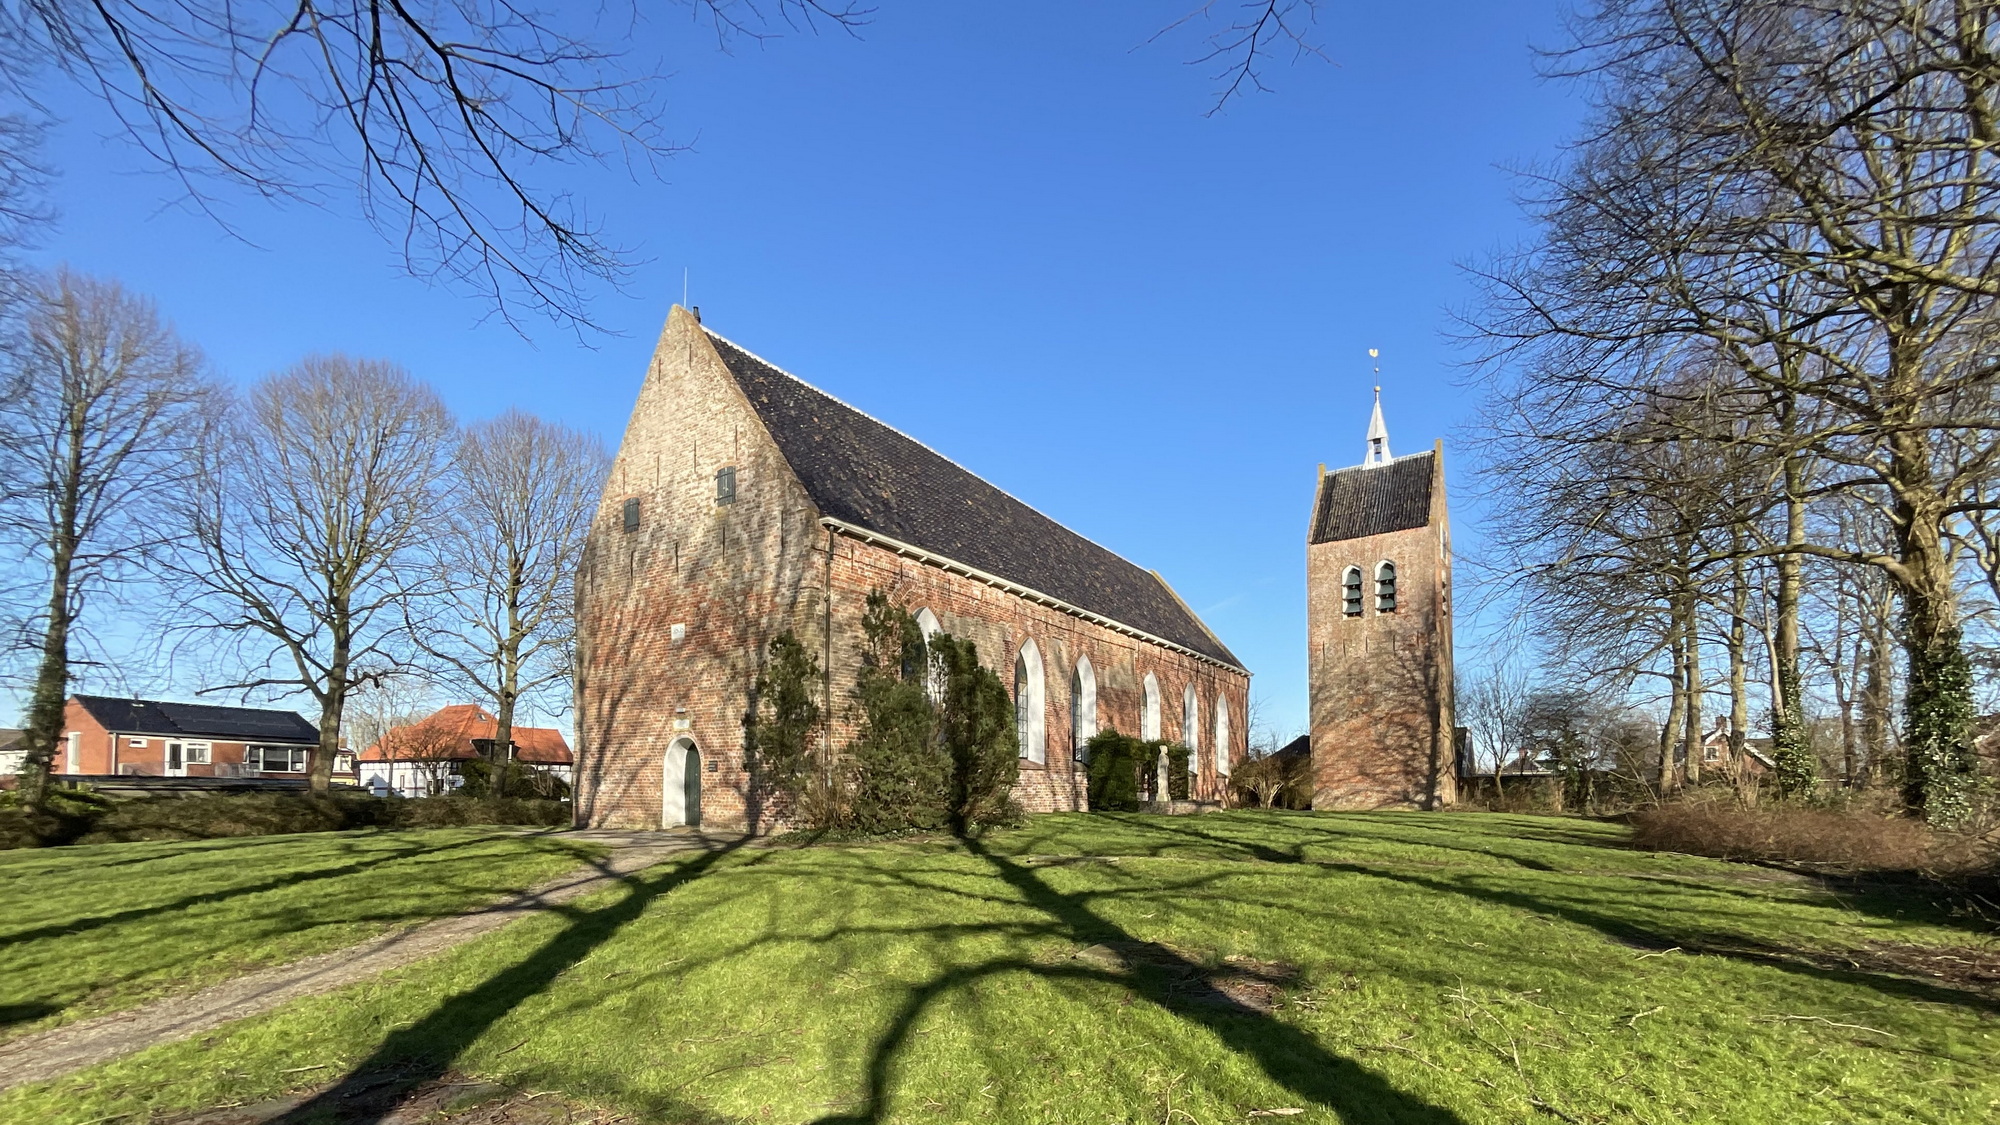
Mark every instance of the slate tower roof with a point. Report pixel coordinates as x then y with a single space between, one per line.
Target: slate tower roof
861 472
1374 499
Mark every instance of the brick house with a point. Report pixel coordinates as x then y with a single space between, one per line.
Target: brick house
744 502
426 758
154 738
1378 623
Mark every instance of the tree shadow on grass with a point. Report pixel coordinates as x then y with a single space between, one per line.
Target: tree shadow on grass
426 1050
204 898
1164 977
1820 964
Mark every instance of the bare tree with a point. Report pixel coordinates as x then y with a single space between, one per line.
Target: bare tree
97 418
1733 200
506 552
305 519
456 120
383 703
1492 705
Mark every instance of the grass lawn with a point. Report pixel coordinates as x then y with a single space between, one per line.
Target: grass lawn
96 928
1357 968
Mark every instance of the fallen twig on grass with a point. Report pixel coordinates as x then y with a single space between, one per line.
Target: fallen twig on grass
1633 1023
1824 1020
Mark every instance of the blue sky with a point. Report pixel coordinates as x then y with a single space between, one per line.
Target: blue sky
1009 230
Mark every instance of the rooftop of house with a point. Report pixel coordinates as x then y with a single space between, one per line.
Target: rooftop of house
1374 499
197 720
11 739
865 474
453 734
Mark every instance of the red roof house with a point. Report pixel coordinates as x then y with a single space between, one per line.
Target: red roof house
423 758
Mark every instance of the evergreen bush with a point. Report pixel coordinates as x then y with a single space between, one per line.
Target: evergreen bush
1114 771
936 747
781 726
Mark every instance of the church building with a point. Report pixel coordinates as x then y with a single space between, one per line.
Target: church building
744 502
1378 609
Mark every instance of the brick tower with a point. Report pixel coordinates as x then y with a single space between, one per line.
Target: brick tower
1378 615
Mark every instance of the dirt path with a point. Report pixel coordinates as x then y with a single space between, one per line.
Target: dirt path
58 1051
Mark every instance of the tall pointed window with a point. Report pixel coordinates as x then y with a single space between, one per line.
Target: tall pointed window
1350 590
1385 587
927 624
1082 707
1030 720
1191 730
1149 710
1220 751
725 485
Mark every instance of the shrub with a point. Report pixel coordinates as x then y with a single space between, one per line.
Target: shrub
1120 766
76 818
1113 770
1855 841
781 725
936 746
479 779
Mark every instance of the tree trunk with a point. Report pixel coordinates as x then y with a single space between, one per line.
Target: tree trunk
1939 770
1875 696
1797 771
1691 643
45 710
46 707
1676 710
1739 671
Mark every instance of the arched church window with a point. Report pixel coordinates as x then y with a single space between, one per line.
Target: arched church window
927 625
1149 710
1191 729
632 514
1082 707
1350 584
725 485
1220 750
1030 721
1385 587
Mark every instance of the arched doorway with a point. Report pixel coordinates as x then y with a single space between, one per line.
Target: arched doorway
680 795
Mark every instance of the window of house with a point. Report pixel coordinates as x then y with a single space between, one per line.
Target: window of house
725 485
632 514
135 742
278 759
1030 720
1082 707
1221 747
195 753
1351 592
1385 588
1149 710
70 763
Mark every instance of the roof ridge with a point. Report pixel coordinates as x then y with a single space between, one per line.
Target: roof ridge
1195 617
926 448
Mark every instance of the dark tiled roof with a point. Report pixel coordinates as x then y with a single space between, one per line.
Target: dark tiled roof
11 739
198 720
1370 501
861 472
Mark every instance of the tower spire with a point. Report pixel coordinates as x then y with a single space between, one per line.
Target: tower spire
1378 430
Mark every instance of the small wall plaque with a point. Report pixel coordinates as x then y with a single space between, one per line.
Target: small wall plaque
677 632
682 724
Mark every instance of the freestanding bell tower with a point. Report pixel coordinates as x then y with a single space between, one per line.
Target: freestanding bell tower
1378 614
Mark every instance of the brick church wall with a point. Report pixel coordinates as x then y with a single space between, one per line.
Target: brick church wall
1381 690
732 576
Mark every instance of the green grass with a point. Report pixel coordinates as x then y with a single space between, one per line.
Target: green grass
96 928
1452 968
